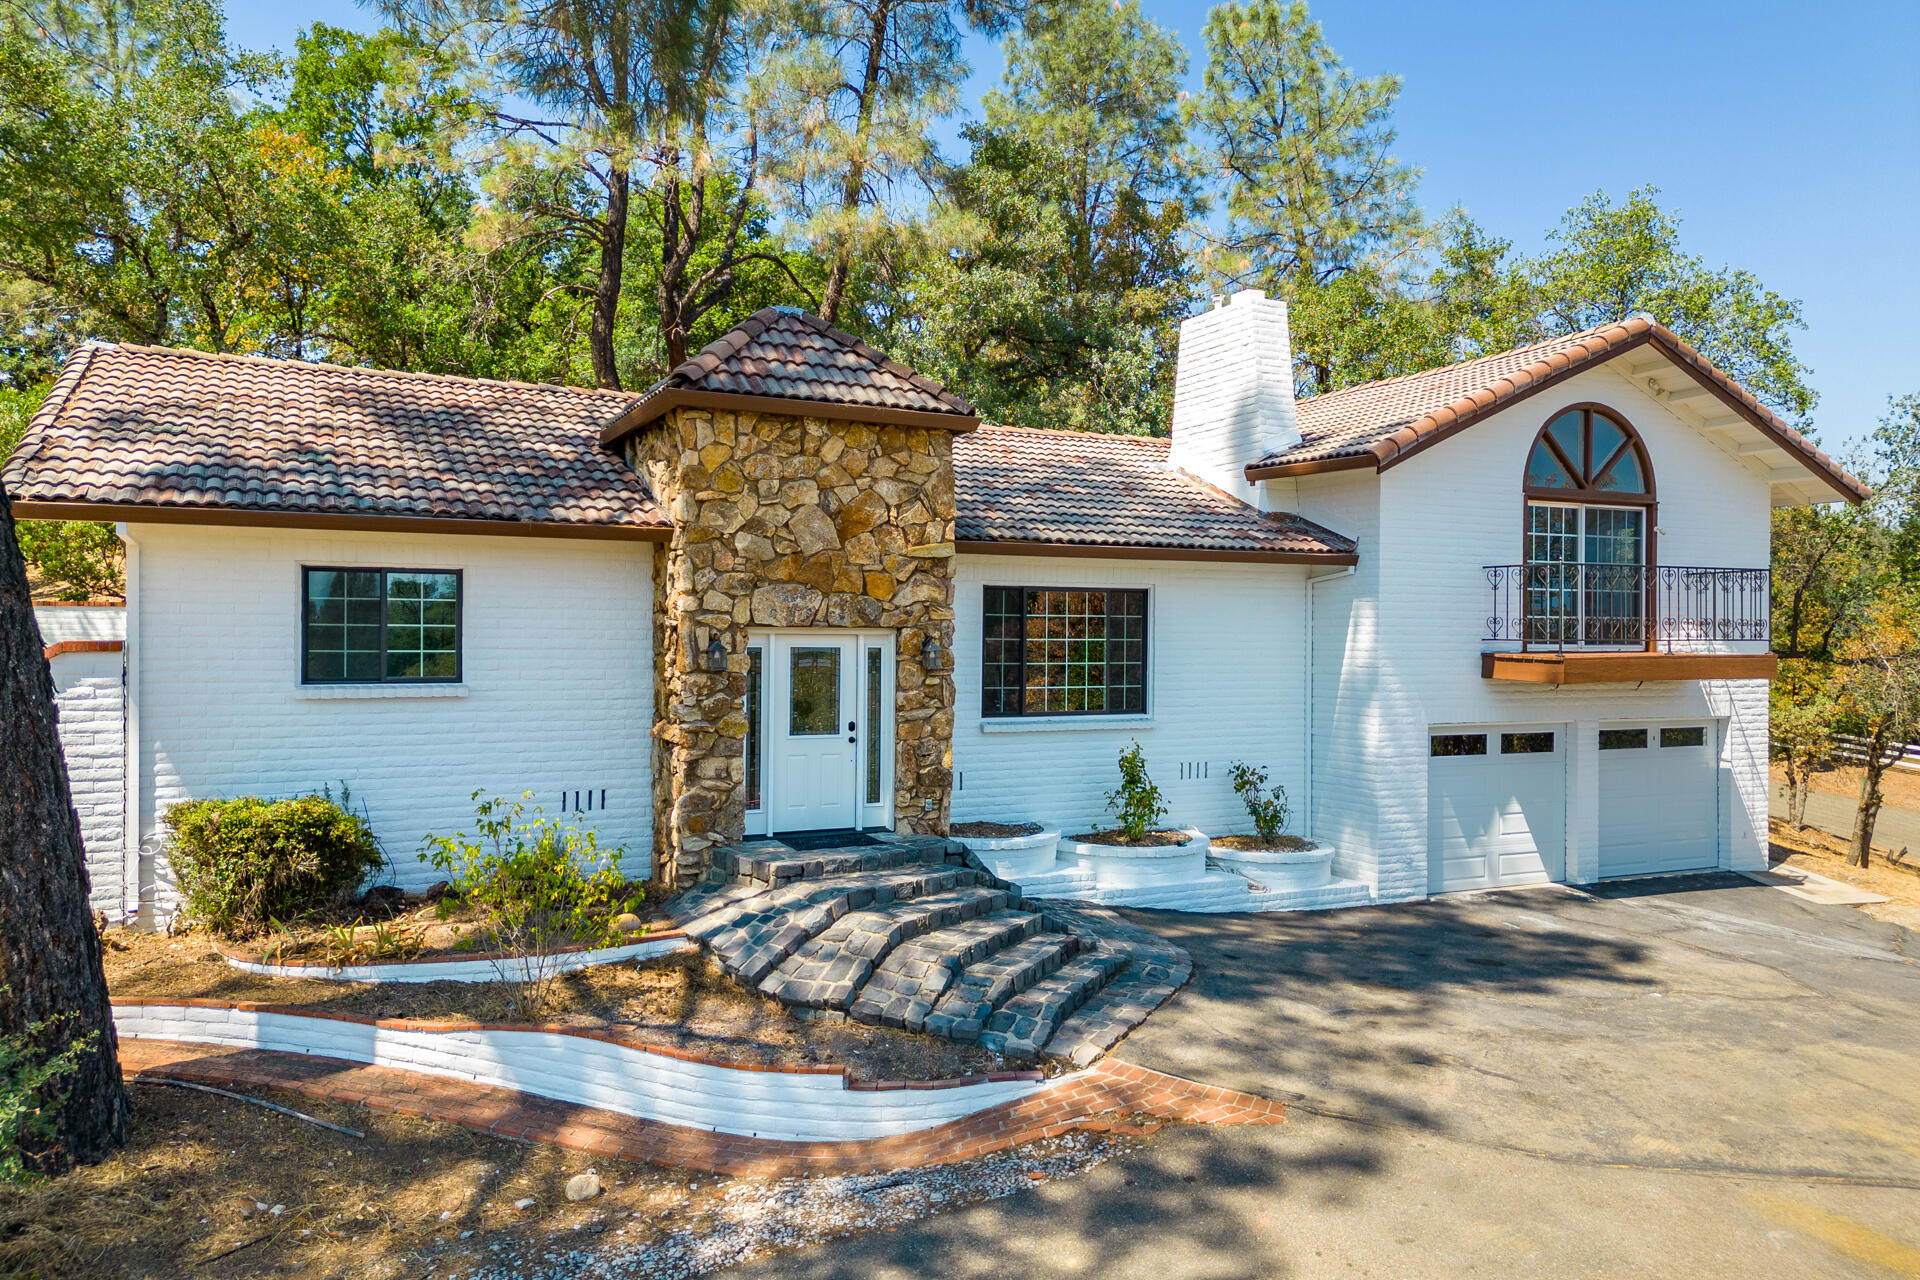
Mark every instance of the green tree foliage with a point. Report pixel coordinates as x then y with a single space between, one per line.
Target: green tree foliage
1302 148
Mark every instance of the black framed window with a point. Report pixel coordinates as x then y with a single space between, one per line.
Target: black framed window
380 626
1457 744
1689 736
1054 651
1623 739
1519 744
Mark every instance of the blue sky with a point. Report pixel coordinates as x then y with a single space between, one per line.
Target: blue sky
1787 136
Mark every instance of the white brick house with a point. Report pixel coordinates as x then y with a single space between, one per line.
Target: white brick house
1472 658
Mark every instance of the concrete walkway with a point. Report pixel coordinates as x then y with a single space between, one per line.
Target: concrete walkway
1685 1077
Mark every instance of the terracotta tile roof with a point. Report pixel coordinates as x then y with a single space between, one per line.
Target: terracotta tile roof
784 354
164 428
1076 488
1380 423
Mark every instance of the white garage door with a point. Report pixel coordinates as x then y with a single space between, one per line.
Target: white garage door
1496 807
1659 799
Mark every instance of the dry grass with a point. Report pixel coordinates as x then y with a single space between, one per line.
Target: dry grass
179 1199
682 1001
1824 854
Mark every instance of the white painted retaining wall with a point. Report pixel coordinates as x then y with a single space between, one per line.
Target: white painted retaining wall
507 968
803 1107
1226 679
557 697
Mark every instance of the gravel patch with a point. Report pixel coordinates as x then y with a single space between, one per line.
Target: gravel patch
749 1218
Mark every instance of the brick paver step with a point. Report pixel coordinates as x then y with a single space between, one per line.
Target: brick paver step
906 985
966 1011
1021 1027
828 971
750 937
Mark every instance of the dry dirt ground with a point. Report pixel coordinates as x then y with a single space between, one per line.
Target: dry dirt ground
212 1187
1812 849
682 1001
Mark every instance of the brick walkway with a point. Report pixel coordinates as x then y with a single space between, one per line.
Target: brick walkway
1110 1096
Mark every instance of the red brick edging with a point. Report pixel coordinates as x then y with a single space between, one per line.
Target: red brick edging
1094 1099
59 647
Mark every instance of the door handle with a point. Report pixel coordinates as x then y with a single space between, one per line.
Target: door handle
850 726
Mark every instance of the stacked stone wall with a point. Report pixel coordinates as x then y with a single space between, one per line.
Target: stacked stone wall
785 521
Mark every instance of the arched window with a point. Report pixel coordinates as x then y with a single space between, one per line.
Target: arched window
1590 502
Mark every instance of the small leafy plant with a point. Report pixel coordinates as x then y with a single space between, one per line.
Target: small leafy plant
544 887
1136 802
1266 805
247 862
33 1084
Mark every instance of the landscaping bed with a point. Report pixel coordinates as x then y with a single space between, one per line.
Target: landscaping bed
993 830
388 926
416 1198
1256 844
682 1002
1119 839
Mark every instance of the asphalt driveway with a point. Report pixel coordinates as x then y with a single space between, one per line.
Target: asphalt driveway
1698 1077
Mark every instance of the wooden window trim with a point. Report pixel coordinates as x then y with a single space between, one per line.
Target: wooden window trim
459 624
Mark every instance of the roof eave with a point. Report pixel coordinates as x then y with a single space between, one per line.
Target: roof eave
663 401
1431 428
1133 551
248 517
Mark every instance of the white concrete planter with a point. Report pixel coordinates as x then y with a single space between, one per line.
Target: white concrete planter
1281 869
1115 866
1016 857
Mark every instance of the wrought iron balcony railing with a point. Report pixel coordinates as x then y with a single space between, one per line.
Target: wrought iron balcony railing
1621 606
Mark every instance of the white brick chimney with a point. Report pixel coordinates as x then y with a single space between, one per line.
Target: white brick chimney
1233 391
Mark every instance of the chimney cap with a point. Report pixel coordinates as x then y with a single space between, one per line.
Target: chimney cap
1247 295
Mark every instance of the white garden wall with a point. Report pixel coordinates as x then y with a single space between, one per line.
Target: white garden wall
802 1106
89 697
1226 653
556 699
1415 616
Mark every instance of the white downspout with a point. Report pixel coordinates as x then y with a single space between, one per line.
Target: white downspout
1312 582
130 808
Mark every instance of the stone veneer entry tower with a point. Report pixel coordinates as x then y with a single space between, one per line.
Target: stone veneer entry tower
810 482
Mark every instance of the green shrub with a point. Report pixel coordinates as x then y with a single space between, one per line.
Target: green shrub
82 557
1267 808
546 887
244 862
33 1084
1136 801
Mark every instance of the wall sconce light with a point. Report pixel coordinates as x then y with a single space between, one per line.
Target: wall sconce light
716 653
932 656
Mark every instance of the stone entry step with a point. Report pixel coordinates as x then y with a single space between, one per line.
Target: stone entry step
916 934
827 971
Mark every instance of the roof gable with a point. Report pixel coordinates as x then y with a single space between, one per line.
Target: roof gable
780 358
1381 424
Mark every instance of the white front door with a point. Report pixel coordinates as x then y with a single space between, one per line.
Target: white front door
815 738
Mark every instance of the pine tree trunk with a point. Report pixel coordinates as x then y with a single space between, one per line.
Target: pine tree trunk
49 948
606 293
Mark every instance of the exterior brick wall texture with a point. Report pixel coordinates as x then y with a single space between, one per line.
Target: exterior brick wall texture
90 698
784 521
